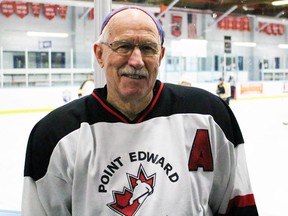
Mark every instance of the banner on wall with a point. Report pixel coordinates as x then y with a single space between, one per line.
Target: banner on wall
49 11
7 8
271 28
192 25
176 26
36 7
62 11
91 14
21 9
235 23
251 88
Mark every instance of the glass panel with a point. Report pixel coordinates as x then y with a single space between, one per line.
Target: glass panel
38 60
13 59
58 59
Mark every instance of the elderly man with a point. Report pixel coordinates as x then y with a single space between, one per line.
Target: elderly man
137 146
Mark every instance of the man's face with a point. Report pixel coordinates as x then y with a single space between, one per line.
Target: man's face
131 75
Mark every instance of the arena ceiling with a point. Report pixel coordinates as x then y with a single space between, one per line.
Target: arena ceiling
242 7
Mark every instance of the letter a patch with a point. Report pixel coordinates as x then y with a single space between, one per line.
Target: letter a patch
201 154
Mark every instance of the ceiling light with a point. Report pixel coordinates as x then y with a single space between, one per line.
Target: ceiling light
47 34
214 15
246 8
283 46
277 3
201 41
245 44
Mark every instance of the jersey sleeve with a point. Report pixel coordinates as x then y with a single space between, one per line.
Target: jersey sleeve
47 175
240 197
231 192
51 194
236 198
47 197
31 205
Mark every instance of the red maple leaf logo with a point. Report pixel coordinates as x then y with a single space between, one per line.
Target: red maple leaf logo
128 201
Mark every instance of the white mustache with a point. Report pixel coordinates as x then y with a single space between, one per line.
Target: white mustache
129 71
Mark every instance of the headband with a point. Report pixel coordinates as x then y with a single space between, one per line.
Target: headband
156 21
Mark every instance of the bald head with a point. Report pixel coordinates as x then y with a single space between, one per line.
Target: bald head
130 15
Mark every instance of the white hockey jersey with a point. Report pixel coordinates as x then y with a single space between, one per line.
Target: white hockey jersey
182 156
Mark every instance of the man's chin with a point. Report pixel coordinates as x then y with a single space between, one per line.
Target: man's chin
132 94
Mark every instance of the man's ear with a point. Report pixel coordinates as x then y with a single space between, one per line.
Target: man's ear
98 54
162 54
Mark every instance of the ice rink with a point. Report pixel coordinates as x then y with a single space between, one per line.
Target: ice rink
261 121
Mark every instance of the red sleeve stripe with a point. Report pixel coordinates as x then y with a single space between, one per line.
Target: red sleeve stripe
242 201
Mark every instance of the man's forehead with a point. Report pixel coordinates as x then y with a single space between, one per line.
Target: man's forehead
130 12
128 16
133 9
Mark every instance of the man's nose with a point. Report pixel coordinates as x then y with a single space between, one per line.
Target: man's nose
136 59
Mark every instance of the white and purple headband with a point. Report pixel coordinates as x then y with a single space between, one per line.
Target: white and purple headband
156 21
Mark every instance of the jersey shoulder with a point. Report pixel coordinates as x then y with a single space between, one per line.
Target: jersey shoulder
193 99
48 132
182 99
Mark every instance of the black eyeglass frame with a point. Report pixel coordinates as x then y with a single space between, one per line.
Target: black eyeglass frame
126 48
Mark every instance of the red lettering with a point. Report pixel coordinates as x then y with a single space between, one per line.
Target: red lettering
201 154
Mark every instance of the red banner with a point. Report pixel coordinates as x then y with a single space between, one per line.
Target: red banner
271 28
7 8
91 14
62 11
176 26
49 11
223 24
246 23
192 25
36 7
21 9
235 23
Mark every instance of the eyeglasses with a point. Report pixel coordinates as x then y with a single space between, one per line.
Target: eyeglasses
126 48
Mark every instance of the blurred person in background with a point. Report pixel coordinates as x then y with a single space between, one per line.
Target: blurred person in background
232 83
223 90
87 87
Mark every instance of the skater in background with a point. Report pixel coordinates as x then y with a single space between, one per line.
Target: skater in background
223 90
86 87
185 83
185 80
232 83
